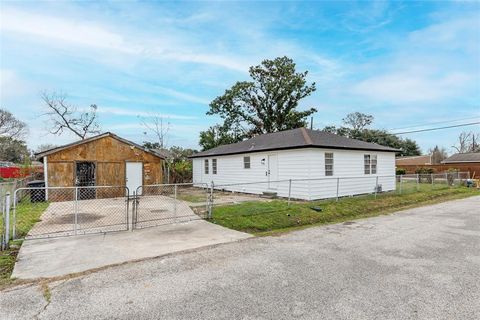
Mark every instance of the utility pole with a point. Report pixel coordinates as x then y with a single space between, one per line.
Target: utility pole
311 123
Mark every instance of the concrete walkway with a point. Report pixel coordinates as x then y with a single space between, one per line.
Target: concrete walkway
61 256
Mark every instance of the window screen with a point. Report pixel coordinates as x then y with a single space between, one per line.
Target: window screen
366 163
373 163
246 162
214 166
206 166
329 164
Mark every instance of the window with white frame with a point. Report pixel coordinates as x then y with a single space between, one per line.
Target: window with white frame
366 163
329 164
373 164
206 166
214 166
246 162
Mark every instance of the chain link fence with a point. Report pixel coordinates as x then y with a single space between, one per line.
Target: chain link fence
66 211
169 203
333 187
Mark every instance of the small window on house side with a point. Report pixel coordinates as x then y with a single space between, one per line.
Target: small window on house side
373 163
214 166
206 166
246 162
329 164
366 163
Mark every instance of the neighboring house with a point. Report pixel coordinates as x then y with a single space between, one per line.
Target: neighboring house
102 160
473 158
298 154
413 161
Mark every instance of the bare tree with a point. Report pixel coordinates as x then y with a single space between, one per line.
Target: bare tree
10 126
468 142
438 154
64 116
358 120
157 125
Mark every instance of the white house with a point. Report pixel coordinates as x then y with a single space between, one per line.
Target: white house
320 164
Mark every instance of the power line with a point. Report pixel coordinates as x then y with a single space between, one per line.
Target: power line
430 123
439 128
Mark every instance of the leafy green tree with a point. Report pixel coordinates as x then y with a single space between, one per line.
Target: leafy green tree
13 150
267 103
219 135
355 128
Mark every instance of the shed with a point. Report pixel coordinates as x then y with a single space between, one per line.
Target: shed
322 164
102 160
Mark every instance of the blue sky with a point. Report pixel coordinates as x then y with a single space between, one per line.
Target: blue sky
406 63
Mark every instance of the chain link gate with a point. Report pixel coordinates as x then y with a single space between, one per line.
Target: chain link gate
162 204
45 212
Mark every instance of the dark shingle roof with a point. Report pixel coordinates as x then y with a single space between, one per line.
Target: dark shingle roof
463 157
293 139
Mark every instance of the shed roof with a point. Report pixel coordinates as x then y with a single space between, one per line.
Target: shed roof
293 139
463 157
42 154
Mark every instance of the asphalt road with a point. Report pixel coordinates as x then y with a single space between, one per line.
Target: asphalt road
422 263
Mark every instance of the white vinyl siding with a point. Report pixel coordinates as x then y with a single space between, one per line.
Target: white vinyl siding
307 164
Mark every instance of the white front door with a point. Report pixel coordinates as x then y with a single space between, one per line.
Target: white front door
272 172
134 174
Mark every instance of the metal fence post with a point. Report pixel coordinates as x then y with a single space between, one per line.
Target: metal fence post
210 207
75 213
175 201
418 182
376 186
14 223
446 179
134 209
432 178
401 183
338 184
7 219
289 190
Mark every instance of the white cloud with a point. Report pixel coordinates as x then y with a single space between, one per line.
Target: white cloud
141 113
410 86
11 85
71 31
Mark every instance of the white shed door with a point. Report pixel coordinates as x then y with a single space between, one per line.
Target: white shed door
134 174
272 173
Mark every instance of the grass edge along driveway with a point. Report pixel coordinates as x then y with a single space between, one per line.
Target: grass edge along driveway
275 217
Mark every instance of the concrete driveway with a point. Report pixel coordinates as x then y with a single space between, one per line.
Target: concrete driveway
60 256
422 263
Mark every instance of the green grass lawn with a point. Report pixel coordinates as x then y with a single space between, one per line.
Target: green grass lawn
265 218
27 214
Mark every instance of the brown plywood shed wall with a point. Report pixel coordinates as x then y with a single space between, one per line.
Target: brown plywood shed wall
110 156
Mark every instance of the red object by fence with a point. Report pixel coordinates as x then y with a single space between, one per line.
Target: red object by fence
14 172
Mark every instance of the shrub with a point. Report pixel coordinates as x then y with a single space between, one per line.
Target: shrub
400 171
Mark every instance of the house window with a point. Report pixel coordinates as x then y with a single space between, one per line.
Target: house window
373 164
366 163
206 166
246 162
329 164
214 166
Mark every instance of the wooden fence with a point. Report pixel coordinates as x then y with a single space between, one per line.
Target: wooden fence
473 168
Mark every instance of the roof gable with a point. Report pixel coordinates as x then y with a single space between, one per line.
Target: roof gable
292 139
94 138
